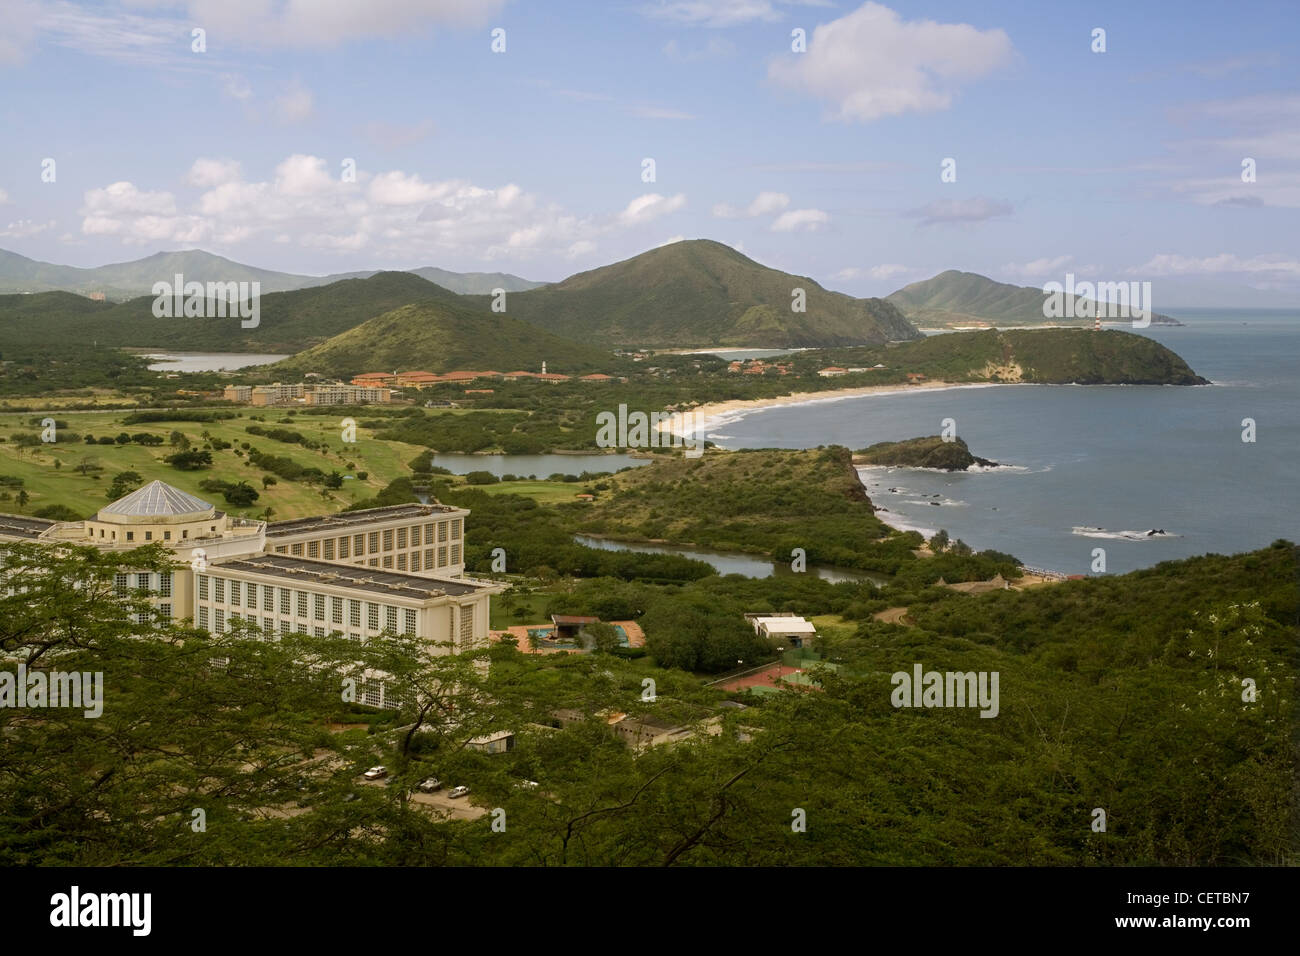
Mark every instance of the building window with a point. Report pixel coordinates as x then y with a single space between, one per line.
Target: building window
148 535
428 533
203 587
268 627
167 535
165 611
130 536
318 631
296 549
390 618
373 562
313 549
428 559
268 598
388 540
219 621
282 549
358 544
354 613
455 554
401 562
374 542
142 582
318 607
165 584
285 628
219 590
442 531
442 557
329 549
388 560
415 560
455 528
120 583
302 603
284 602
401 538
336 610
372 616
410 621
252 596
203 618
343 548
234 593
372 693
415 536
467 624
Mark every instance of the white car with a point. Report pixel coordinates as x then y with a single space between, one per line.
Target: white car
430 785
457 792
376 773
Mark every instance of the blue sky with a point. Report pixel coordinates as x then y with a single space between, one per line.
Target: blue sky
1125 164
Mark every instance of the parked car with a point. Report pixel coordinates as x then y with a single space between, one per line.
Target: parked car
528 784
430 785
376 773
457 792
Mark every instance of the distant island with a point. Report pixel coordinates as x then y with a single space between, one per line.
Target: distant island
931 451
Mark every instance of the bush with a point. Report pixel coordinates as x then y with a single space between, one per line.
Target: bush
481 478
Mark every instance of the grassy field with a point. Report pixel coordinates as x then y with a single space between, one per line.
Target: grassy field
382 461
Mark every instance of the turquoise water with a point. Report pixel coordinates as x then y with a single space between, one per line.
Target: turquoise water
1092 467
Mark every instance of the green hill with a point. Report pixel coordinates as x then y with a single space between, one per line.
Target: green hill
1039 356
932 451
289 321
442 337
955 298
703 293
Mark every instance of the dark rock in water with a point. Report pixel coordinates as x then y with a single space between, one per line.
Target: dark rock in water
935 503
931 452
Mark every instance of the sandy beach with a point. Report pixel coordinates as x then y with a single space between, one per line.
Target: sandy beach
701 419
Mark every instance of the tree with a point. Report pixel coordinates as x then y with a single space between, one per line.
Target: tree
267 481
23 498
191 460
939 542
333 480
603 637
240 495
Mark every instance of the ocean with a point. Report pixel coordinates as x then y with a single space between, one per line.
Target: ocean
1090 467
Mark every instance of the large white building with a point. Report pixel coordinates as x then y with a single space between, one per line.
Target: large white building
358 573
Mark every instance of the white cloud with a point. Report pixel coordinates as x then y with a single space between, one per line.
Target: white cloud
212 172
886 270
18 36
871 63
671 240
24 228
763 203
236 87
1168 264
961 211
806 220
649 207
327 23
4 197
394 214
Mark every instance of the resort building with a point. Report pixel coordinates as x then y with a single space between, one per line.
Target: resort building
312 575
307 394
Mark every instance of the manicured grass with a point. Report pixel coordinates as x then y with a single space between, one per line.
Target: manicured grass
543 492
533 604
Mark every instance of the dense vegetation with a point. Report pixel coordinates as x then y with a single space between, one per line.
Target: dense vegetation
1123 694
933 451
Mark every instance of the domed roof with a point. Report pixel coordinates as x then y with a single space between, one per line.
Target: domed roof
157 500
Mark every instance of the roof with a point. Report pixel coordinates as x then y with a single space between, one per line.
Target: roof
345 520
571 620
787 625
20 526
372 580
157 500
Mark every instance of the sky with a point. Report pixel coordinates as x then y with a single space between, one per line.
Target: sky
320 136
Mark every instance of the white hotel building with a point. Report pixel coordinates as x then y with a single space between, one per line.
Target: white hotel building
357 573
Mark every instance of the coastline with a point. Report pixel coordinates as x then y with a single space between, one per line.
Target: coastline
701 418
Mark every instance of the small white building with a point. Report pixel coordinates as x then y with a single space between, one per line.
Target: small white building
785 627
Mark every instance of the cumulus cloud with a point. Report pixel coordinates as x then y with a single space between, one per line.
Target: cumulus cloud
722 13
650 207
393 214
943 211
871 63
800 220
23 228
763 204
327 23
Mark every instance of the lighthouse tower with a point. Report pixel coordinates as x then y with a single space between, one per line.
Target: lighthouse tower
543 366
